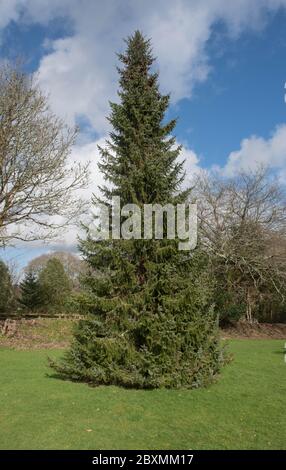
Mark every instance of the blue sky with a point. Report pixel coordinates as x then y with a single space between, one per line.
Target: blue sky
223 62
243 95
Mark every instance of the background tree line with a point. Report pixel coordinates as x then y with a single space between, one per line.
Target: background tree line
49 285
242 230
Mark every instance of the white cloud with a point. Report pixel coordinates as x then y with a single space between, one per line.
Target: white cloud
40 11
191 166
80 71
256 151
89 152
79 83
9 11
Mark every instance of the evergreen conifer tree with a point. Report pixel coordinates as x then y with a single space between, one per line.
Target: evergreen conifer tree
149 317
55 286
31 298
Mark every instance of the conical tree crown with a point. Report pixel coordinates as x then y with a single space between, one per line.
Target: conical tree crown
149 319
30 292
140 158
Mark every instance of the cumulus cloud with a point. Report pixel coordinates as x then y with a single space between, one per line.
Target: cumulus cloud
33 11
80 71
9 11
191 164
256 151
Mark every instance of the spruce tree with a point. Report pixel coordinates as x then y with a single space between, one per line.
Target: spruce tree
149 316
31 298
55 286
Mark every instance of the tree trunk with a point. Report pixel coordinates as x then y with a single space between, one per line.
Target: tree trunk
248 307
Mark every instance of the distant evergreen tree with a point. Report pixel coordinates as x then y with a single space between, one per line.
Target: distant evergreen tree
6 288
150 322
30 289
55 285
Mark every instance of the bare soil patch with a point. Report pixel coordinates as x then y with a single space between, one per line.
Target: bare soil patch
255 331
39 333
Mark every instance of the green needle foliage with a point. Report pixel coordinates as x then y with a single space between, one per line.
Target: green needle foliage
55 286
31 298
149 316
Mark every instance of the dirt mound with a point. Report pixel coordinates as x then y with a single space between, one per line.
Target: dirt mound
255 330
46 333
40 333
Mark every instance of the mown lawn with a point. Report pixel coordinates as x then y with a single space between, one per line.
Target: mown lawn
245 409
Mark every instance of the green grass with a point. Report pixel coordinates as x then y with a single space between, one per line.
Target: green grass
245 409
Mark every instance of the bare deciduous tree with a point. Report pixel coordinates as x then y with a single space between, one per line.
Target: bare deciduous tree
73 265
37 181
242 227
